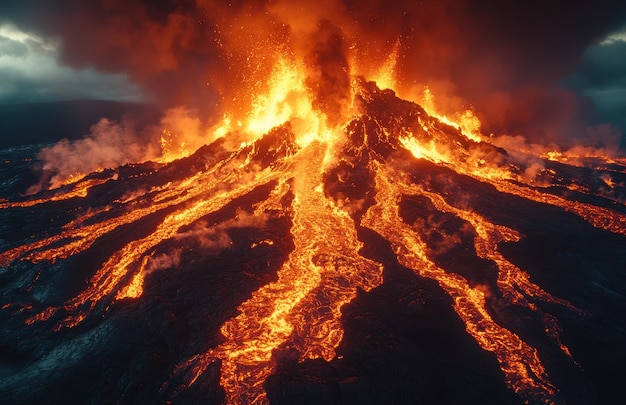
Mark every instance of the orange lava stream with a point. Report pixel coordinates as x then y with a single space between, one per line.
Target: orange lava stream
300 312
466 122
81 238
512 281
486 244
78 237
303 307
577 156
499 177
117 268
81 188
524 372
135 288
599 217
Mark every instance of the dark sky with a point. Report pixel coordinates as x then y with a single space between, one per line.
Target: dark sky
545 69
31 72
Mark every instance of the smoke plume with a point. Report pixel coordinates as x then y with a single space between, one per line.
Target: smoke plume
503 59
108 145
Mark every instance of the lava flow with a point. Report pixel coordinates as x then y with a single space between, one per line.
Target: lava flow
322 273
333 169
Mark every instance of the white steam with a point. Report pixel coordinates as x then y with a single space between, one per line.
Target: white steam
108 145
215 239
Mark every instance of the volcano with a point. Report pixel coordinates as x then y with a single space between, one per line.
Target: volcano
390 258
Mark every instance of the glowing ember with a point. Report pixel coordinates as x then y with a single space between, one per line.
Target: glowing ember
336 164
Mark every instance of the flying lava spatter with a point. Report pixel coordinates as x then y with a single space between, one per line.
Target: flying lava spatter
330 176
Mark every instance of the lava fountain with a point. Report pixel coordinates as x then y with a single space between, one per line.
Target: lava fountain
337 156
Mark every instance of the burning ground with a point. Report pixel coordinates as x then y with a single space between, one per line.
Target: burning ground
383 261
321 239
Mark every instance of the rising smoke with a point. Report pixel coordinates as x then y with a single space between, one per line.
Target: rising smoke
212 239
108 145
503 59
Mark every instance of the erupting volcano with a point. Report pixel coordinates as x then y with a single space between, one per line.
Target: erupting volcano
335 240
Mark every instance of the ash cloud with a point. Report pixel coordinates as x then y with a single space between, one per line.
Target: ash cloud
329 77
506 60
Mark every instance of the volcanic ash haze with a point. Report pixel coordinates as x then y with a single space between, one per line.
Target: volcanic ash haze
202 60
327 230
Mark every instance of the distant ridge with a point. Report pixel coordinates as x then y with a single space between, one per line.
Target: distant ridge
30 123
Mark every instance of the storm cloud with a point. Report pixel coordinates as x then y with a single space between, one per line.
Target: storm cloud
506 60
30 72
602 77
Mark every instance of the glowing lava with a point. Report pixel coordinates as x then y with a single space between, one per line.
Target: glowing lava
290 146
322 273
520 363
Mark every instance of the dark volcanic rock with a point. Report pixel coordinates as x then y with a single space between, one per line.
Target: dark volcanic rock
403 341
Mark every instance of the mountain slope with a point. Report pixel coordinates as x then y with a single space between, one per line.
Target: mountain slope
389 260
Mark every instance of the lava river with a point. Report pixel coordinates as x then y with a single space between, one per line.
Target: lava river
311 198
